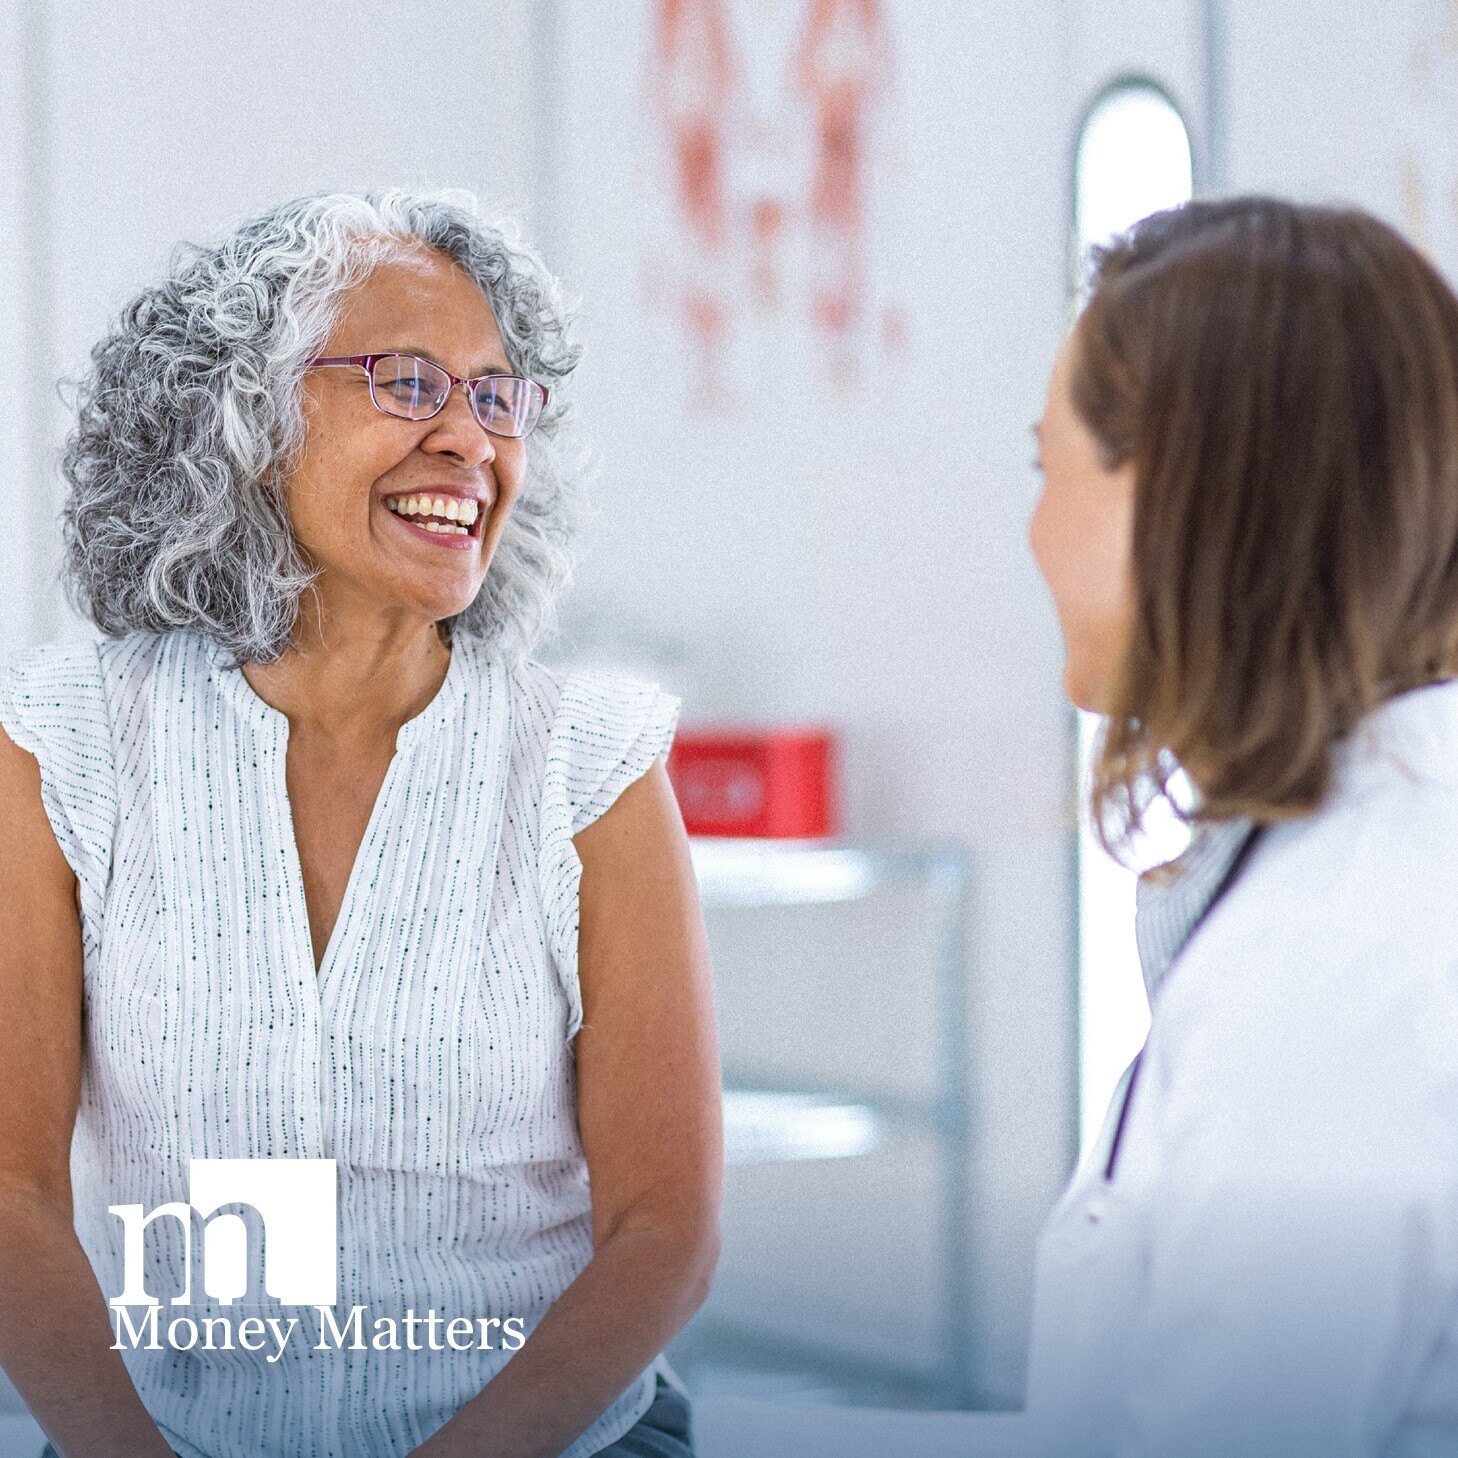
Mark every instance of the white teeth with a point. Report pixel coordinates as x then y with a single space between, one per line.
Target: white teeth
453 509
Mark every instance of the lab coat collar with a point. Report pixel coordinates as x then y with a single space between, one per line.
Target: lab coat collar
1169 906
1414 734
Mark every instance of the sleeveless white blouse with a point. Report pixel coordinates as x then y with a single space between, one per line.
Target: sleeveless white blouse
430 1056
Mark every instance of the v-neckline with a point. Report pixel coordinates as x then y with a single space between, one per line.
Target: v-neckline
432 717
363 852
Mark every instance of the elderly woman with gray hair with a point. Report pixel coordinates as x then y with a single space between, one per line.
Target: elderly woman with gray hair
325 911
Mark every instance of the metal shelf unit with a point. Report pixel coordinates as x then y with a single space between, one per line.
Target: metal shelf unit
767 1125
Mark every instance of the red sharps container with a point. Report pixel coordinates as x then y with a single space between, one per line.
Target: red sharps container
773 783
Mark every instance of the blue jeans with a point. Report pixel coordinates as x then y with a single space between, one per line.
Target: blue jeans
664 1431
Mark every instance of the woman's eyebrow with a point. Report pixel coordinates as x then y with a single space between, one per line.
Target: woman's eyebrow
496 368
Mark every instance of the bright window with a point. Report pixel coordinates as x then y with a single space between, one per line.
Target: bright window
1133 159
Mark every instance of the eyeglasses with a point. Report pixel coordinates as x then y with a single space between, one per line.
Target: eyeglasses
417 389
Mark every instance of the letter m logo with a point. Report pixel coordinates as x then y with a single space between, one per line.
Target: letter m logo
298 1203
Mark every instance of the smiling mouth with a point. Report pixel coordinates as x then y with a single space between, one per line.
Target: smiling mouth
446 516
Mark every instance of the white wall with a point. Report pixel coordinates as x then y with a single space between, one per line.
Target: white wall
1320 98
23 327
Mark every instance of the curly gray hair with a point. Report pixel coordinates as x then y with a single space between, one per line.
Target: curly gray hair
190 417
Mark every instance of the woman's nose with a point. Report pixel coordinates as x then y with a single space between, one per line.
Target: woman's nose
458 433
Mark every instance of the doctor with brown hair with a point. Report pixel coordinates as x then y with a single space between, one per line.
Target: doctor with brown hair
1249 527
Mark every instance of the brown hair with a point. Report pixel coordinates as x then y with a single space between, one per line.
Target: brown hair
1284 379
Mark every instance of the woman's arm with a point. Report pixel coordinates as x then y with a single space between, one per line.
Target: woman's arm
55 1333
650 1113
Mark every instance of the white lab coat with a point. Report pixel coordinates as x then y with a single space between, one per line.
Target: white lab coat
1272 1270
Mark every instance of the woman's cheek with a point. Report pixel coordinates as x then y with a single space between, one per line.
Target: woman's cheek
1037 535
511 474
1059 546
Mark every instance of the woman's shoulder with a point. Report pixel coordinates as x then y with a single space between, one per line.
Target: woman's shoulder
70 691
1328 978
48 687
69 661
54 704
580 734
535 691
78 687
1366 876
556 703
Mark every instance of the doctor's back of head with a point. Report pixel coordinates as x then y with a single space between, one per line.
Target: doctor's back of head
1249 527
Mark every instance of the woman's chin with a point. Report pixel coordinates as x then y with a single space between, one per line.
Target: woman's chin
1083 691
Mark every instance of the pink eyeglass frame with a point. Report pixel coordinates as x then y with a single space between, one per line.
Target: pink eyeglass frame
366 362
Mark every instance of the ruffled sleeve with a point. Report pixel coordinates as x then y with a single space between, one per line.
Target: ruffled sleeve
53 705
607 732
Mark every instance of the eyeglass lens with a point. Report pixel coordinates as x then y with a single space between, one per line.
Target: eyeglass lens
416 389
